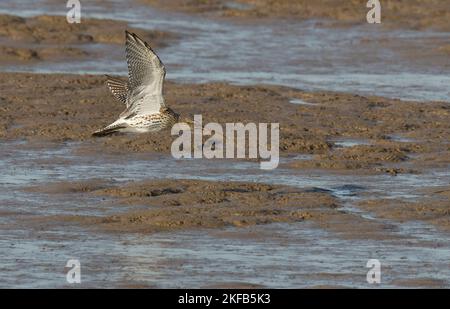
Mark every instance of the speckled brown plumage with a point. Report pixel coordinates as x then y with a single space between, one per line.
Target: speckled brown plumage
142 94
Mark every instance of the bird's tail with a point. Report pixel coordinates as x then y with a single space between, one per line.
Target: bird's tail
109 130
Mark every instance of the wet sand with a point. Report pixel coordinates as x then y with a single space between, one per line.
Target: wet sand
188 204
388 135
417 14
322 133
52 38
344 133
433 208
172 205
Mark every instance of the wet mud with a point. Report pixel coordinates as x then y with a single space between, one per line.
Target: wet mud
52 38
417 14
399 136
359 176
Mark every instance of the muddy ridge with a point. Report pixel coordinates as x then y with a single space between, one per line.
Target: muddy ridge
53 38
433 208
416 14
398 136
167 205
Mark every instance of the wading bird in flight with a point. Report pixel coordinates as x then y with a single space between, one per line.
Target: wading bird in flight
142 94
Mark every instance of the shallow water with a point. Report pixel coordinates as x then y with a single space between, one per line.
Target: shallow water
350 142
307 55
281 255
302 102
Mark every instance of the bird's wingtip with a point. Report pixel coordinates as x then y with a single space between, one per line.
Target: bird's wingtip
128 34
99 133
132 36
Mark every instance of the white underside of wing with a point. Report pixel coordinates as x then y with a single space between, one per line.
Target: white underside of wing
146 75
150 104
148 98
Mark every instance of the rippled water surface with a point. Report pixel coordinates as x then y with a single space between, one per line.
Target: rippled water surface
281 255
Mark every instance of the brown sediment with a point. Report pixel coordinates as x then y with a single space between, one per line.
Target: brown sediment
12 54
55 108
184 204
430 283
168 205
374 158
409 14
401 136
56 30
52 37
444 49
233 285
68 187
433 207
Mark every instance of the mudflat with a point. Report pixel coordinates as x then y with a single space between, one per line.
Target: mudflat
416 14
388 135
328 201
52 38
343 134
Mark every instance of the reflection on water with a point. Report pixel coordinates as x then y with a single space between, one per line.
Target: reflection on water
361 59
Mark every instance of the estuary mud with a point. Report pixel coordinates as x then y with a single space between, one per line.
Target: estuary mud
398 136
171 205
417 14
360 176
51 38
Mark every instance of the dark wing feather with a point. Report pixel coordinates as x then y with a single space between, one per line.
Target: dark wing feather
144 66
118 88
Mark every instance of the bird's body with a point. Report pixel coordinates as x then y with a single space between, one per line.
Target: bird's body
142 94
141 123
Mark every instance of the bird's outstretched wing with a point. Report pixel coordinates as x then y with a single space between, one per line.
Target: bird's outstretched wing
118 88
146 75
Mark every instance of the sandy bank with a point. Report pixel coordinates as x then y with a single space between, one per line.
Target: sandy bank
170 205
416 14
396 136
53 38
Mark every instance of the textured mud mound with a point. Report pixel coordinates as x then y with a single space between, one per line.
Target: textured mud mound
401 136
366 157
432 208
56 30
52 37
166 205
